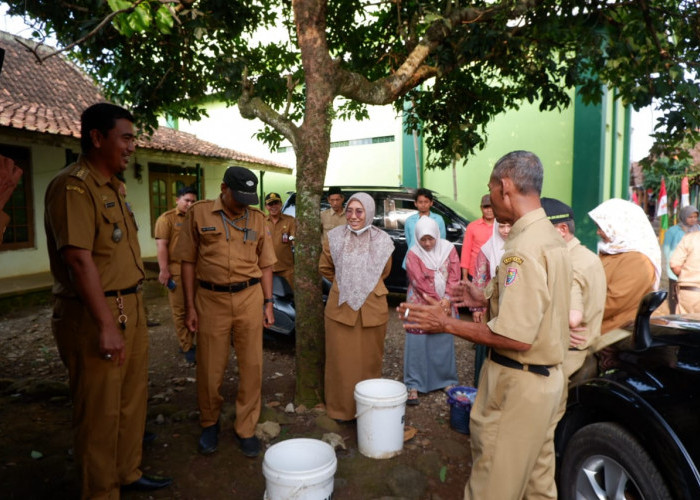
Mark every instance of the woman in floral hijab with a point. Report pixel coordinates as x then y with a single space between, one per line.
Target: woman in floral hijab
356 258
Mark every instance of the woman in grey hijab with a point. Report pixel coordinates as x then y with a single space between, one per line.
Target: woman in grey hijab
356 258
688 223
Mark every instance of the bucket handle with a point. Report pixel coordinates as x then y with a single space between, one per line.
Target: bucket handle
358 415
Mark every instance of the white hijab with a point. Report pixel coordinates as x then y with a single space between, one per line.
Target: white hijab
493 249
435 258
359 256
628 229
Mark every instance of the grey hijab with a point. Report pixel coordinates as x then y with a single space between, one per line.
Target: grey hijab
686 212
359 256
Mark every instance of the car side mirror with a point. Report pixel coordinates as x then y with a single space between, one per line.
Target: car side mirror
642 328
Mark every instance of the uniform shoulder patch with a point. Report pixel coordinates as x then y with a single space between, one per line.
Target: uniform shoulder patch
73 187
511 276
513 258
80 171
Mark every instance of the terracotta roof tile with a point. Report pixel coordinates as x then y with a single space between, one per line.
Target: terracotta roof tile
49 98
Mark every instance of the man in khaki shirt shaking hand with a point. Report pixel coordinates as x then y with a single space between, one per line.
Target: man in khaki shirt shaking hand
514 415
226 247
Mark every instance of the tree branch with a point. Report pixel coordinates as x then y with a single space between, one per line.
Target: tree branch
414 71
252 107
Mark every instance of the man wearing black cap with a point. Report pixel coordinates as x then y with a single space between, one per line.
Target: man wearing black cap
225 245
587 290
334 216
283 229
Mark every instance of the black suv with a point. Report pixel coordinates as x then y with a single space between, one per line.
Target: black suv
633 430
394 205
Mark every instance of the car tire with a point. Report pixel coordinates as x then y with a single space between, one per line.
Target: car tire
604 461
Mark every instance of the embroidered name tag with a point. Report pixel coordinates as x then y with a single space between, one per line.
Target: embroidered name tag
208 228
110 204
511 275
71 187
517 260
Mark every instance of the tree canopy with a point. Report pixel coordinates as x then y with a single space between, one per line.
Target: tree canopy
452 64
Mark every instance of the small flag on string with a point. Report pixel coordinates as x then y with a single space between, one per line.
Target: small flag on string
685 192
662 211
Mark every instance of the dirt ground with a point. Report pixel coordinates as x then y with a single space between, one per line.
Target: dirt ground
36 437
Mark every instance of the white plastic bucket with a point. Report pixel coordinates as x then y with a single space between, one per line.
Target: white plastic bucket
381 409
299 469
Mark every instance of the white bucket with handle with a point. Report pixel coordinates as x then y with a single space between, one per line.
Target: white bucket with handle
299 469
381 410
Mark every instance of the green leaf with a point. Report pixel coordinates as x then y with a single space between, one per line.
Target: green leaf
140 19
164 20
443 473
116 5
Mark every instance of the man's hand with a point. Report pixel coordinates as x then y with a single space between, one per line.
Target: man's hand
268 315
112 343
430 318
191 319
164 276
478 316
575 339
467 294
10 174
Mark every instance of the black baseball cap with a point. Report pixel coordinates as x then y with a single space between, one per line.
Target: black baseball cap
557 211
243 185
486 200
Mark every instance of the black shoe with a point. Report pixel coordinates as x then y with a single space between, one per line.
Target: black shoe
149 437
249 446
344 422
148 483
209 439
191 355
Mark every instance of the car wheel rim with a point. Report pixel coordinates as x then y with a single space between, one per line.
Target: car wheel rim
603 478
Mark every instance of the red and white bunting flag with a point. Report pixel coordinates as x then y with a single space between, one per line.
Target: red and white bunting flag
685 192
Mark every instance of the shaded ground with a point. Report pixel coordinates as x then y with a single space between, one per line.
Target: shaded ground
36 441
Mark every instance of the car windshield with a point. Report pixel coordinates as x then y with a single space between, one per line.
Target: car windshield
457 207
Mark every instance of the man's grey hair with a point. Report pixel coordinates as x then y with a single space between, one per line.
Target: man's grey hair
523 168
571 225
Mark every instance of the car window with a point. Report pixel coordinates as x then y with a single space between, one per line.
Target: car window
402 209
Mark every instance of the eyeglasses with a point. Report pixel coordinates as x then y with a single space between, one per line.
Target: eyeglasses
485 206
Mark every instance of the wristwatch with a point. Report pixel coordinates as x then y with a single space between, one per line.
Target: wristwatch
271 301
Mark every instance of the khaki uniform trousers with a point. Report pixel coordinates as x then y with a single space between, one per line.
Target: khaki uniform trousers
222 314
688 301
512 425
109 401
177 309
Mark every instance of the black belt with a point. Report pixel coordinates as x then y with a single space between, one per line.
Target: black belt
126 291
231 287
690 288
511 363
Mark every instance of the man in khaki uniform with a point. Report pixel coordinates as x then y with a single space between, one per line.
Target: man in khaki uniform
685 262
283 229
522 379
98 320
587 291
167 233
334 216
226 248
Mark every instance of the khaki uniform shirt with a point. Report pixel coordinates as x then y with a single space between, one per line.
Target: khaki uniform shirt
629 277
219 250
687 255
283 249
588 289
84 209
330 219
168 227
530 297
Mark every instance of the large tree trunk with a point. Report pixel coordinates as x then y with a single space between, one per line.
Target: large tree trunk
312 148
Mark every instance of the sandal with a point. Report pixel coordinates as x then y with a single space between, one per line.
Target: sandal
412 398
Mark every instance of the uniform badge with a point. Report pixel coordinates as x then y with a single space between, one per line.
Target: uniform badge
208 228
511 275
110 204
513 258
72 187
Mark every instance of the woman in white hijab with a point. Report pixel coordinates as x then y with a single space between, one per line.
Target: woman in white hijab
356 258
631 257
432 264
486 262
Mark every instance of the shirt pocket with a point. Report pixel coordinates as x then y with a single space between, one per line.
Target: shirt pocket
212 242
112 230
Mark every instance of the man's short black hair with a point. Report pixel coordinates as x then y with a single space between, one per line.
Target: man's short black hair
103 117
186 190
423 192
